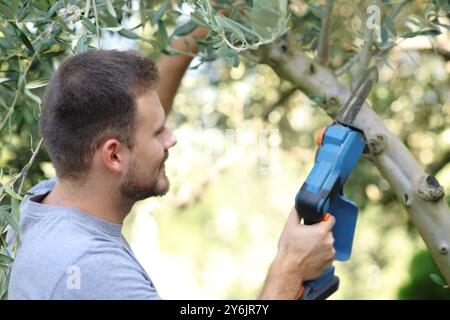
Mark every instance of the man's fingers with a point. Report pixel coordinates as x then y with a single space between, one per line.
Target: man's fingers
330 222
294 217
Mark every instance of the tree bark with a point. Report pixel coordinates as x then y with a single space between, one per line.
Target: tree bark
421 194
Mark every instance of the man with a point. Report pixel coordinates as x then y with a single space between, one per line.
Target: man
103 124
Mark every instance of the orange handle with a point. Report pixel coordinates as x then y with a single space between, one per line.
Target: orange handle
300 293
319 136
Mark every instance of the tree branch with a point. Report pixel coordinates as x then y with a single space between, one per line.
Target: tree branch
29 164
347 65
421 194
283 97
365 55
324 37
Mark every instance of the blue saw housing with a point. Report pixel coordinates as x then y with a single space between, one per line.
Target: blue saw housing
322 192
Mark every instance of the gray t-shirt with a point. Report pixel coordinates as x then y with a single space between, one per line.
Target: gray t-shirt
68 254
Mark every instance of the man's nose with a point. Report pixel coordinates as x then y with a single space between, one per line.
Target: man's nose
171 140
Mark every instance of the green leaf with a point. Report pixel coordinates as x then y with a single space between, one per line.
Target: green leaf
136 26
229 25
55 8
60 22
262 20
268 14
4 259
224 51
3 104
384 35
390 25
81 44
34 97
6 44
110 8
89 25
317 99
163 34
128 34
159 14
4 10
3 268
15 208
319 10
3 286
11 220
445 5
235 26
425 32
436 279
185 29
9 191
36 84
23 11
436 21
113 29
199 19
416 21
233 61
53 51
25 40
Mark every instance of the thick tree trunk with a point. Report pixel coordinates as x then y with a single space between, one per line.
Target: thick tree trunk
420 193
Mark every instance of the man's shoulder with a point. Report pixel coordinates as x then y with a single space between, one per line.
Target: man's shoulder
43 266
104 271
43 258
50 248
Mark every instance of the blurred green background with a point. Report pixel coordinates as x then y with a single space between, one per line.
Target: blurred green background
246 142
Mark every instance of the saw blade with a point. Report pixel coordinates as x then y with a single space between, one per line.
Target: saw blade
350 110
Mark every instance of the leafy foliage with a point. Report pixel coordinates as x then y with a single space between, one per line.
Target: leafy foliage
36 35
425 283
246 27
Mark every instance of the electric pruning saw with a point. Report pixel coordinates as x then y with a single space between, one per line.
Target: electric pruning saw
340 146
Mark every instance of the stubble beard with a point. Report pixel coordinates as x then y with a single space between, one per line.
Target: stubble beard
135 188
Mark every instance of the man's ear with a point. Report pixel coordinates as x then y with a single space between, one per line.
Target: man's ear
114 155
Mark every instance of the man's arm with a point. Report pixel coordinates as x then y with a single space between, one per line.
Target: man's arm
304 253
172 68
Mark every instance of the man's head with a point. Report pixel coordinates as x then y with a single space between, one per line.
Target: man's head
102 118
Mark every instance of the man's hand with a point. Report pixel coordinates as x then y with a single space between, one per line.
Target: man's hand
310 246
304 253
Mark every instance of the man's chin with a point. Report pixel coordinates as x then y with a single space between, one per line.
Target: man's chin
159 189
162 187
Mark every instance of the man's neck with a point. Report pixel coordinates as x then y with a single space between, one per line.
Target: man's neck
98 202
